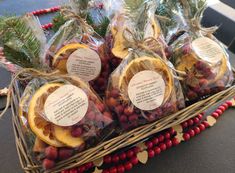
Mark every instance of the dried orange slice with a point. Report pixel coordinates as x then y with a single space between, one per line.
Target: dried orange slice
42 128
146 63
61 57
64 135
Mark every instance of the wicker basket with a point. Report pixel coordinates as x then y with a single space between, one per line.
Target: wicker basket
120 142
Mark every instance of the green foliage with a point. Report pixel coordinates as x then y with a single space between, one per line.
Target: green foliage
58 21
21 46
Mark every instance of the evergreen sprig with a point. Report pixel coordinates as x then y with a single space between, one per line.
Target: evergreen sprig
21 46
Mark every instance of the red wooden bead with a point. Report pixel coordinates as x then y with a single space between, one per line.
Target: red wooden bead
229 103
186 136
196 120
168 143
190 122
196 130
172 131
128 166
162 146
136 150
157 150
161 138
200 116
89 165
167 135
215 115
149 144
134 160
107 159
130 154
175 141
73 171
219 111
202 127
222 108
155 141
206 124
113 170
151 153
225 105
191 133
184 124
115 159
122 156
82 168
105 171
121 169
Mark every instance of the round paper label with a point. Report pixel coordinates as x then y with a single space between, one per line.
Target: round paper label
85 63
66 106
208 50
146 90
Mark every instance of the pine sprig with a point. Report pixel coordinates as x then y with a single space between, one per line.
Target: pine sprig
21 46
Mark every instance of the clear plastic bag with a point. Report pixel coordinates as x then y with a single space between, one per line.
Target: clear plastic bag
78 50
126 18
61 116
144 87
200 55
23 42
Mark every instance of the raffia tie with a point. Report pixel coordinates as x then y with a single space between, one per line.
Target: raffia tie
31 73
195 22
69 14
135 44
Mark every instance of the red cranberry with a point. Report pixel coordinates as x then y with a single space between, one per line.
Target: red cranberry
229 103
119 109
225 105
76 132
149 144
157 150
162 146
192 95
196 130
136 150
203 82
65 153
151 153
91 115
128 111
114 93
115 159
89 165
121 169
172 131
202 127
113 170
107 159
51 153
122 156
186 136
133 118
123 119
134 160
105 171
168 143
191 133
128 166
167 135
48 164
73 171
130 154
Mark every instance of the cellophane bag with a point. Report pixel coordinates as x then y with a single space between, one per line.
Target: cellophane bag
199 54
78 50
61 116
119 21
144 87
22 42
